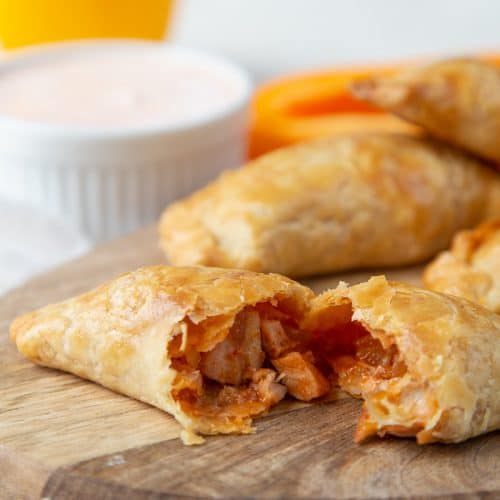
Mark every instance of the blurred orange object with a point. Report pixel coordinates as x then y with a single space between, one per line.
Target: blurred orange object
27 22
303 107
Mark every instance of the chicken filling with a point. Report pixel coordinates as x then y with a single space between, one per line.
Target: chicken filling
373 369
358 360
261 358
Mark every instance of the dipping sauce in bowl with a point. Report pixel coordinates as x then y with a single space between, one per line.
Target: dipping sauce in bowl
106 134
115 89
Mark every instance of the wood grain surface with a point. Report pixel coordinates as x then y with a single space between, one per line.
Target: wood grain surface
62 437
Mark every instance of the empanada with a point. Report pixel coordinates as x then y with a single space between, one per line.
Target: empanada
426 364
191 341
456 100
207 345
471 268
333 204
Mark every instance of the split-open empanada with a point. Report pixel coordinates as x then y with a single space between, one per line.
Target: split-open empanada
471 268
216 347
333 204
199 343
426 364
456 100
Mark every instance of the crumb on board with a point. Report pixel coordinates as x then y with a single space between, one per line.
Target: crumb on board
189 438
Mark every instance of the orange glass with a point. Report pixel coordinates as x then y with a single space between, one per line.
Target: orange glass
28 22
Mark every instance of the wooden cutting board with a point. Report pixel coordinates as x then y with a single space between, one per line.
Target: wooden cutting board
62 437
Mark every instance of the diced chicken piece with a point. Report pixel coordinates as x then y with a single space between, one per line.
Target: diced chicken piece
239 355
302 379
275 339
251 347
264 381
224 363
262 393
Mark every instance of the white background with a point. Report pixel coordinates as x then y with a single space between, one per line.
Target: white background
277 36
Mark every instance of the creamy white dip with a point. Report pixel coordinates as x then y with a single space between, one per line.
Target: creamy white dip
114 88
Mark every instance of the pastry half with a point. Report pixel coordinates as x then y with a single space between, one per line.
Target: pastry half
355 201
456 100
212 347
426 364
471 268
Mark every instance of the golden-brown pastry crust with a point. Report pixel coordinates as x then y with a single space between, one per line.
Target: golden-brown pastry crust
118 334
123 334
451 347
456 100
333 204
471 268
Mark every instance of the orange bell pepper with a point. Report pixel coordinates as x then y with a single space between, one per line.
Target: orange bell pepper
303 107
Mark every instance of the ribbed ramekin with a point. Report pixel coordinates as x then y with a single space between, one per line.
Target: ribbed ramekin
108 181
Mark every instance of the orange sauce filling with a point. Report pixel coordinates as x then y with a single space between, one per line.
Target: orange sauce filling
358 360
264 355
249 369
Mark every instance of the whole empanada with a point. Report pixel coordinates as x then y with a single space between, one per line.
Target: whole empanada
471 268
426 364
456 100
191 341
333 204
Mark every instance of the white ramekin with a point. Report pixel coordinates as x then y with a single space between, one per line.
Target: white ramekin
110 181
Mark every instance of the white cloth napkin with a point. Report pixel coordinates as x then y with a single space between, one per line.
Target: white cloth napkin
31 242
